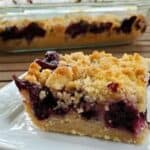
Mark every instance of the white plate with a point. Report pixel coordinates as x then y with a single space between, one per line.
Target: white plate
17 132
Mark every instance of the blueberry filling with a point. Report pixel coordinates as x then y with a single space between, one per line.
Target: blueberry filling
51 56
47 65
78 28
62 111
32 30
21 84
126 25
120 115
42 106
50 61
10 33
42 110
99 28
126 116
83 27
113 86
90 110
29 32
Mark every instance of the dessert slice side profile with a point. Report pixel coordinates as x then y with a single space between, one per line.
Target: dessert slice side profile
70 31
95 94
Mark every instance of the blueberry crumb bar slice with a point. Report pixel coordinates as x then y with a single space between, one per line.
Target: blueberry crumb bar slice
94 94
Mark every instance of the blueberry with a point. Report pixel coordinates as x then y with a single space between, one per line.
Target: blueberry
47 65
126 25
21 84
61 111
31 31
91 110
10 33
28 32
52 56
50 61
113 86
42 108
41 111
83 27
99 28
124 115
78 28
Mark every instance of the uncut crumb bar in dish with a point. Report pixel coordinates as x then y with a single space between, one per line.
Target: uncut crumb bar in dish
70 31
95 94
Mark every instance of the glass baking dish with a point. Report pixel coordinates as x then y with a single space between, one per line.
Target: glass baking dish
71 25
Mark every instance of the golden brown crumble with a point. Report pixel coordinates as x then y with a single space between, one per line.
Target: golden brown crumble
94 73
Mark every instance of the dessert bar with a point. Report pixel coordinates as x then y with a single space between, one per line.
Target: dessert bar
95 94
70 31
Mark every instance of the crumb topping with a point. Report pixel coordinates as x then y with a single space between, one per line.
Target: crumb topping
100 75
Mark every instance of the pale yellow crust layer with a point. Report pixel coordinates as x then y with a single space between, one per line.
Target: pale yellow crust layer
93 73
73 124
56 37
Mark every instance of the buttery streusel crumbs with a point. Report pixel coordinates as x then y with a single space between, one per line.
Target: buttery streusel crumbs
94 73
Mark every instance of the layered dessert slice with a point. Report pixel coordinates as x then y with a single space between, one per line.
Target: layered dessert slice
97 95
70 31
